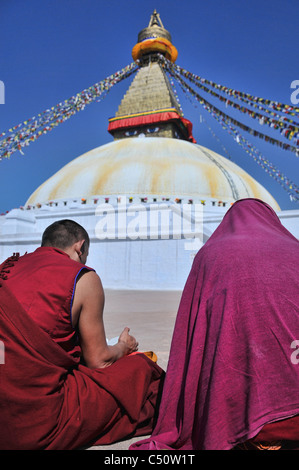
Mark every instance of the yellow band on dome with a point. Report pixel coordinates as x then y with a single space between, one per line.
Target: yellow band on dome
155 45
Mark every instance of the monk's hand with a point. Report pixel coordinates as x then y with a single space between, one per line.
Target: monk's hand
128 340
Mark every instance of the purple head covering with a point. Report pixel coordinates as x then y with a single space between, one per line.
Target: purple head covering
230 369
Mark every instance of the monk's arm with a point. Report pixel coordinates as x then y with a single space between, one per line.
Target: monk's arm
88 307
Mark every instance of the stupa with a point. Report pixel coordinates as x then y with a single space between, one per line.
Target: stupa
154 155
149 198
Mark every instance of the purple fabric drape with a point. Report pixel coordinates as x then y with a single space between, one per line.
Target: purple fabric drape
230 369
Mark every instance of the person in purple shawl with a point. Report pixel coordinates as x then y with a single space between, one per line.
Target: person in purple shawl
233 371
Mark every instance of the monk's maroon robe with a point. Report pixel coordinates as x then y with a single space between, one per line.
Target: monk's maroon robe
48 399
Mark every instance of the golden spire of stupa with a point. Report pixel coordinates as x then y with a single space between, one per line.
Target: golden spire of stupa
150 107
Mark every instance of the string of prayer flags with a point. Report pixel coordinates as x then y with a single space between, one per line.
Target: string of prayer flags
227 123
246 97
28 131
287 184
237 123
288 128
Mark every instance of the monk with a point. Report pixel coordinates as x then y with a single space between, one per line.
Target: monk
62 385
233 373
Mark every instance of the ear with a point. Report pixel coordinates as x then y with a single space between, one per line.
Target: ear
78 247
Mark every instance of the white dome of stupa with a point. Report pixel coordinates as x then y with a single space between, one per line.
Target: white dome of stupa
151 166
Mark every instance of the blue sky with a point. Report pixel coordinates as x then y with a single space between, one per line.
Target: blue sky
53 49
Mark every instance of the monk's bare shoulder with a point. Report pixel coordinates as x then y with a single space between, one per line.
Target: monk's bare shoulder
89 294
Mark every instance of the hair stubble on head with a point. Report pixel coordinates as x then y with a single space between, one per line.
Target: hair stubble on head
64 233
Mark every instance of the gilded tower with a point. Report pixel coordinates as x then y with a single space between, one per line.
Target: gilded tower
150 108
